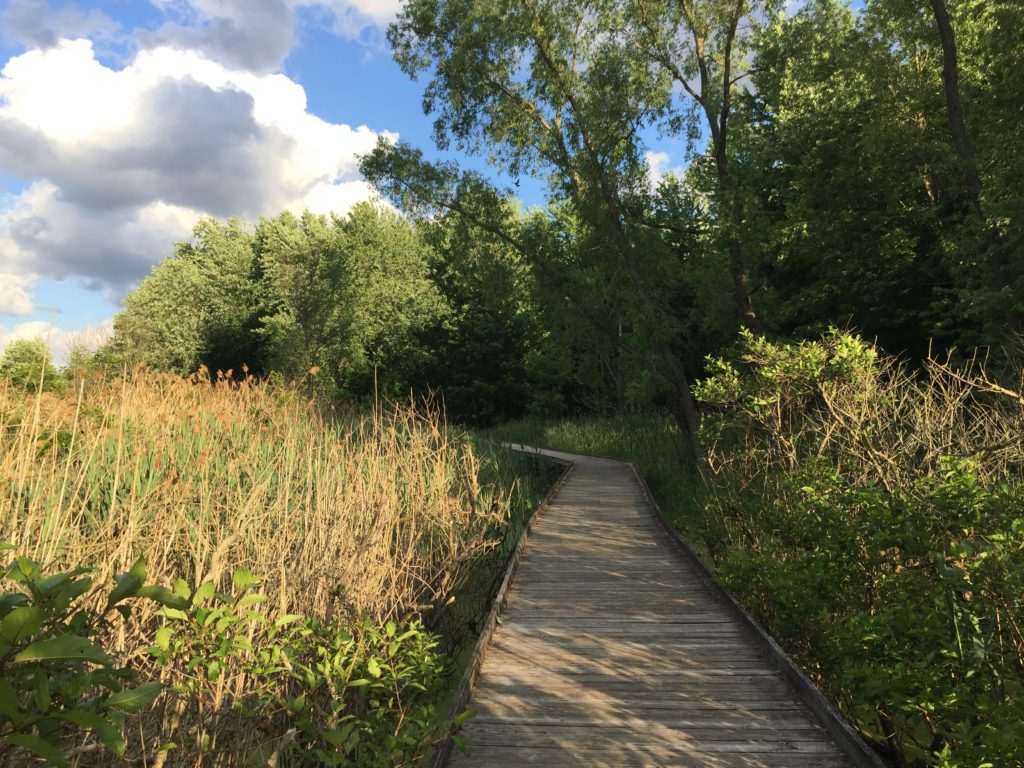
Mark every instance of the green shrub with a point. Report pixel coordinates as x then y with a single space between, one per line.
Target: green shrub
310 692
305 691
55 676
871 518
28 364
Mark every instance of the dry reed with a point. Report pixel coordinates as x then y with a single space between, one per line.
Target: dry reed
380 514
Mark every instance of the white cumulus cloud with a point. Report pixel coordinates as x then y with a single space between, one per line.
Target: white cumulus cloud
15 294
123 161
352 17
659 165
60 340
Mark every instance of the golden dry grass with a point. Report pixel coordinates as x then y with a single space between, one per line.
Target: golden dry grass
382 513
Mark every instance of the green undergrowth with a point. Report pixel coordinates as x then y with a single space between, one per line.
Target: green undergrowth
869 515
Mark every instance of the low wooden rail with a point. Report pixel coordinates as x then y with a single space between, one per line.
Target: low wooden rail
610 645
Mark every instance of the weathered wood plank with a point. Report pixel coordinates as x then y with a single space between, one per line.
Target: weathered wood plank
636 756
627 704
638 717
602 735
611 651
764 692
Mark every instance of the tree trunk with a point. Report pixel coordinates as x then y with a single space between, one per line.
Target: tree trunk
954 106
741 292
684 407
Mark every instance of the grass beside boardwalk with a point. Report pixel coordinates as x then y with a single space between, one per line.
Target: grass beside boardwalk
310 576
652 442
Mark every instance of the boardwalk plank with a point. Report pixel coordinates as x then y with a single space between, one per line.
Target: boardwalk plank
611 651
639 756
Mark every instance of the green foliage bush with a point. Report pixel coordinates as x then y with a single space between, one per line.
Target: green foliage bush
340 692
872 520
28 364
308 692
55 676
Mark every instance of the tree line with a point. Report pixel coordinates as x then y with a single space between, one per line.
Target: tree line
856 168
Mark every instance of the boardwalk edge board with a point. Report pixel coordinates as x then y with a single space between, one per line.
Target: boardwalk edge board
461 699
848 740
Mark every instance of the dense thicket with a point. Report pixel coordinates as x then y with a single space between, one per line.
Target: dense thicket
869 515
860 168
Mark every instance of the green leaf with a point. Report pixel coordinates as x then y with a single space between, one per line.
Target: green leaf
8 700
70 647
182 589
75 589
243 579
204 593
41 691
11 601
248 600
128 584
37 746
469 714
138 569
458 742
107 732
23 571
164 596
172 613
21 623
45 586
213 670
136 698
373 668
163 638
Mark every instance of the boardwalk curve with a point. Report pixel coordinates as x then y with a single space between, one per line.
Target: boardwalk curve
612 649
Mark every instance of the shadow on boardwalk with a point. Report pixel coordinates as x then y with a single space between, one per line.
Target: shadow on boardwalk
612 651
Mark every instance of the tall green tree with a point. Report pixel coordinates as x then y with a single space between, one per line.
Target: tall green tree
28 363
482 355
197 307
704 47
554 88
997 259
345 295
854 188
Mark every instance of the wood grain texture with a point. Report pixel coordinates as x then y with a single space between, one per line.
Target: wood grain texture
612 651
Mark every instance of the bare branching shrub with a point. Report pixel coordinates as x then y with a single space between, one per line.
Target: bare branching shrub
870 514
842 398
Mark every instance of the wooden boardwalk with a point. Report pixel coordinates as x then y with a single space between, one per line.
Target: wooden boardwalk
612 651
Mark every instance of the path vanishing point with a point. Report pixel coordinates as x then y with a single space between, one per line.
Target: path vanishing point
613 649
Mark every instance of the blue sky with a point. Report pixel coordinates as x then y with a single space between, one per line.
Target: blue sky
123 121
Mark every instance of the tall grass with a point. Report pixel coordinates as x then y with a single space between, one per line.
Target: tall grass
381 515
382 512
